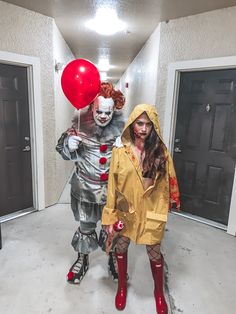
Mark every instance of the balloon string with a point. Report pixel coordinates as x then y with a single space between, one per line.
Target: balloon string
78 124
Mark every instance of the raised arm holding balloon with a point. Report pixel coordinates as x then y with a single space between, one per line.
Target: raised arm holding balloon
89 143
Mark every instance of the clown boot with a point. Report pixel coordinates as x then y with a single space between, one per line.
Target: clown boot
157 273
78 269
120 300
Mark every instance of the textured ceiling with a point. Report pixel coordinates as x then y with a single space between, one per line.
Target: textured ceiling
141 16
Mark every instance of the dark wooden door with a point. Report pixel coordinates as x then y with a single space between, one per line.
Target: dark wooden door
205 142
15 154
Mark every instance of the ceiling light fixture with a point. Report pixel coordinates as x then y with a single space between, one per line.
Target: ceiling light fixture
103 64
106 22
103 76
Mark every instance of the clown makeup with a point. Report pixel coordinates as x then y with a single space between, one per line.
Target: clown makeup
103 109
142 126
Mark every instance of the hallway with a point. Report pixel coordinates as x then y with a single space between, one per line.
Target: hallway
36 254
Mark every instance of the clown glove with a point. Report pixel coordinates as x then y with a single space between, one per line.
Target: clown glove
73 142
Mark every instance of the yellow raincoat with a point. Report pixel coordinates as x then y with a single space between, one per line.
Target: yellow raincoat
144 212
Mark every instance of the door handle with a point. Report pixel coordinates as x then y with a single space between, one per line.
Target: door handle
177 150
26 149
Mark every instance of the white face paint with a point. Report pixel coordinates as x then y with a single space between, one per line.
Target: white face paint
103 109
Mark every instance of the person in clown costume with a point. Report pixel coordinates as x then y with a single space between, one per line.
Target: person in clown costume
89 144
141 159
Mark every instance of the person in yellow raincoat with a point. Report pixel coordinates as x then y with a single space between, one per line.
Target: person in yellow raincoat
142 187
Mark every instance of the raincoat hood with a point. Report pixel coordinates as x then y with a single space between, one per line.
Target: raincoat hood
151 112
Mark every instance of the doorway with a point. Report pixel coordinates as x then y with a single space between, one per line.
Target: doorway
15 148
31 66
205 142
173 81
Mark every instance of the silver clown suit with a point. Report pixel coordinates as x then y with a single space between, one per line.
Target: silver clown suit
89 180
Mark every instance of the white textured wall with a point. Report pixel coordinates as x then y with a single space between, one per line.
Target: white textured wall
141 75
28 33
207 35
63 109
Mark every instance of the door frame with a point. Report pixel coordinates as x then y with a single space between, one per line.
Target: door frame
173 81
35 118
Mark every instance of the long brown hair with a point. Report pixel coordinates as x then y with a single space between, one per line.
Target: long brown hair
154 160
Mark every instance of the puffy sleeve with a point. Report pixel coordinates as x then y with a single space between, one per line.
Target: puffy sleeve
109 213
174 189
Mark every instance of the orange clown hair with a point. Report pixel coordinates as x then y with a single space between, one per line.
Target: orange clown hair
108 91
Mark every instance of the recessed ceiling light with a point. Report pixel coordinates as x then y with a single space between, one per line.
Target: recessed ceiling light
106 22
103 64
103 76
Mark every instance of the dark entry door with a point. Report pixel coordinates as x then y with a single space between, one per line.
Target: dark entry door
15 154
205 142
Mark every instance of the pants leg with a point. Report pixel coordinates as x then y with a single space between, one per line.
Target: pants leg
85 238
88 214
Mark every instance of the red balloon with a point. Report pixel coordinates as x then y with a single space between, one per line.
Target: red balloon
80 82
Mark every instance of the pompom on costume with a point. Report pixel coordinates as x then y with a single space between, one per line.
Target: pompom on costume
92 161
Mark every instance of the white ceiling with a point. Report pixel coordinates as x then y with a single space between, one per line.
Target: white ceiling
141 16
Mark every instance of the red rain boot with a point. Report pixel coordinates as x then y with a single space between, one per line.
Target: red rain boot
120 300
157 273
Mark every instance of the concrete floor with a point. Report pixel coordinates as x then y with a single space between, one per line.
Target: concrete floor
36 255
